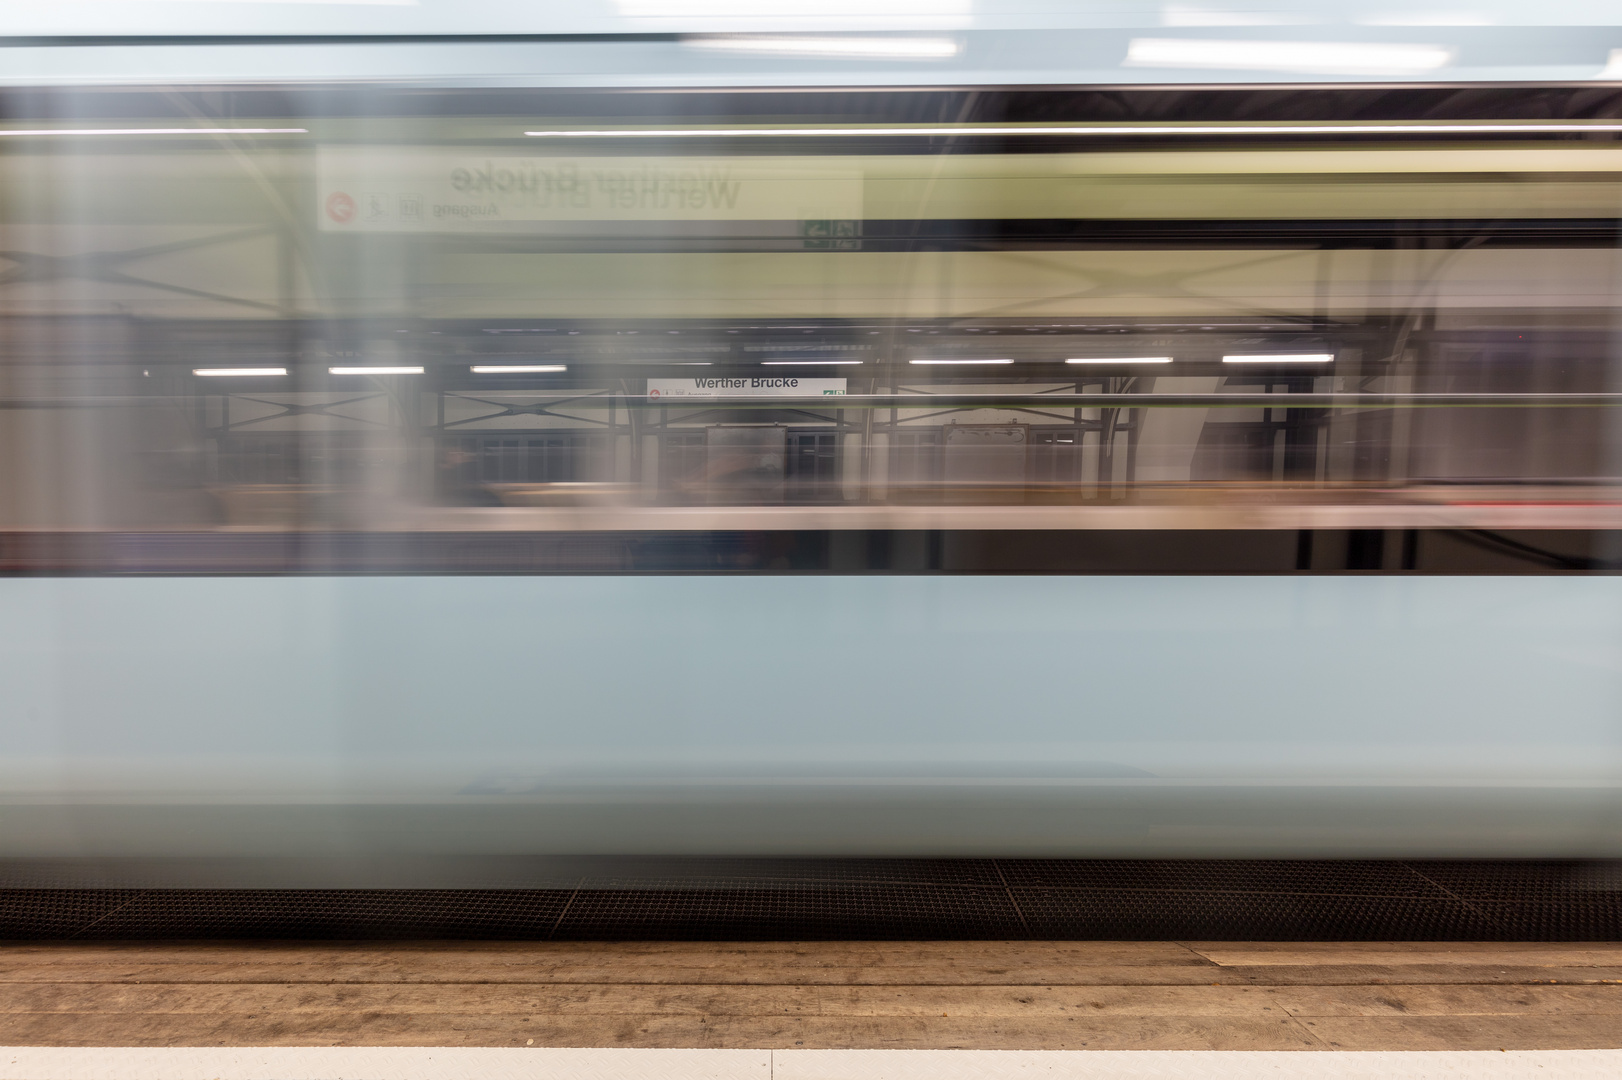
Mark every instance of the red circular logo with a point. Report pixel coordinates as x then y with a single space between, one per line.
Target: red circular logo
340 208
653 393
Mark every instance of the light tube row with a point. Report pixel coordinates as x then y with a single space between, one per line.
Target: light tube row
518 369
544 369
1281 358
1307 57
37 132
1260 358
890 48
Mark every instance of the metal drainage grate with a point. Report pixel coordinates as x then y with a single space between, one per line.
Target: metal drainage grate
891 899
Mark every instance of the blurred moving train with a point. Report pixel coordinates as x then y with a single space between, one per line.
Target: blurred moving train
438 439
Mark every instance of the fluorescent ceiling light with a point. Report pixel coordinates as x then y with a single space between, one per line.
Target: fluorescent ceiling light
1428 18
1120 360
1308 57
1087 130
823 15
1190 15
155 131
877 48
960 361
245 372
1280 358
517 369
354 3
375 370
805 363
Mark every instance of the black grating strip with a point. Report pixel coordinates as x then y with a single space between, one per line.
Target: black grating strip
827 105
821 551
893 899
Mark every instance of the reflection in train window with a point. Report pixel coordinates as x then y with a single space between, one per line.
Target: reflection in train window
1321 335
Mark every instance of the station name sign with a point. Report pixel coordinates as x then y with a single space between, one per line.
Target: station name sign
426 189
747 386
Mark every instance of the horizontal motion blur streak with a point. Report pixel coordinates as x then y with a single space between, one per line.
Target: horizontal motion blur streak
1073 130
934 399
944 398
1280 358
32 132
516 369
1307 57
1216 394
1119 360
885 48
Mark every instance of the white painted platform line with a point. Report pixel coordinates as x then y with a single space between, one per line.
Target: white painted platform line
465 1063
1193 1064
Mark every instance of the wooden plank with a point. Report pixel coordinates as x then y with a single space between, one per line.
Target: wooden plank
1022 974
890 1001
1021 963
1521 954
1575 1032
929 954
712 1000
476 1029
1527 1000
896 951
755 975
1375 975
606 973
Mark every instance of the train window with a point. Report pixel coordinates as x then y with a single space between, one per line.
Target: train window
682 456
527 459
259 461
391 307
812 466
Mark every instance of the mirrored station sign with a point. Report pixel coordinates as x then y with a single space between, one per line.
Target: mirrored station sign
435 190
764 386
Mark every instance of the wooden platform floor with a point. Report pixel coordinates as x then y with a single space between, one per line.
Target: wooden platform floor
986 994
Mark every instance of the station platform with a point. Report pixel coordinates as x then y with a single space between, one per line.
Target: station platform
828 970
987 995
